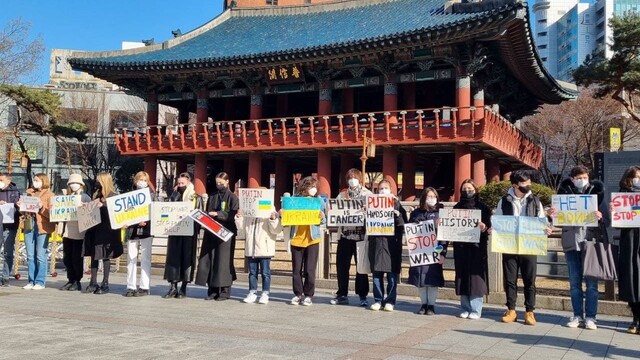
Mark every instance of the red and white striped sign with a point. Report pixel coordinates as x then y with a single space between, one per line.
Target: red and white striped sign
211 225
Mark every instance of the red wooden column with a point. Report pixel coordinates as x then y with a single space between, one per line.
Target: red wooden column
478 103
200 176
151 161
255 169
282 177
229 167
462 166
324 98
409 176
463 97
493 170
390 93
347 100
324 172
477 158
506 172
347 161
390 167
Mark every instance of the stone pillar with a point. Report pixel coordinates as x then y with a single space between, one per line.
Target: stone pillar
256 107
390 167
324 98
324 172
282 177
505 170
347 101
463 97
493 170
478 103
477 158
462 167
409 176
200 176
255 169
390 93
347 162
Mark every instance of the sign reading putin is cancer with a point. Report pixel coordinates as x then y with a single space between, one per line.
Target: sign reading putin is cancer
129 208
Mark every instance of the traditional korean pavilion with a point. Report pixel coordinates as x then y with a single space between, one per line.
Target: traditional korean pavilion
296 89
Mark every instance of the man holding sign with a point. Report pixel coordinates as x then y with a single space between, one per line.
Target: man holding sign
9 196
520 201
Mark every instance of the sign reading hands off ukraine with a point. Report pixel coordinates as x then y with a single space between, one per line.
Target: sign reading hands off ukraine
129 208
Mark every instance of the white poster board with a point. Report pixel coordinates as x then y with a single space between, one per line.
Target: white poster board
8 211
171 218
29 204
461 225
211 225
345 212
626 210
129 208
380 215
88 215
575 210
256 203
64 208
422 244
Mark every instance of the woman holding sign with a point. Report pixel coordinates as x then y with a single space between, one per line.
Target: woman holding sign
471 259
72 238
215 266
36 241
428 278
102 242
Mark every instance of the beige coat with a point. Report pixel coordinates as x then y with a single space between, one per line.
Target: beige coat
42 216
260 236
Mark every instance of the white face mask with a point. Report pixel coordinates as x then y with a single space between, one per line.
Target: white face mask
74 187
353 182
580 183
142 184
313 191
385 191
37 184
2 185
431 202
636 182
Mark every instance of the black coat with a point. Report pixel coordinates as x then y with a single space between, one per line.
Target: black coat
471 259
180 262
11 194
215 265
101 241
629 264
427 275
385 252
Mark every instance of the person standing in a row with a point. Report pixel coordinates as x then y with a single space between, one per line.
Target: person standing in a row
9 194
73 239
215 267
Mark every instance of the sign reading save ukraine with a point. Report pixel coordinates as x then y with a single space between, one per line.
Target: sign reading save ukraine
300 210
129 208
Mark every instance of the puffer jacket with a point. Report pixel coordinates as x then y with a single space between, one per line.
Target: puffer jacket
260 236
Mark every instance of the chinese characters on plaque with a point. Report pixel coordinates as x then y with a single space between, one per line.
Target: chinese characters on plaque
285 74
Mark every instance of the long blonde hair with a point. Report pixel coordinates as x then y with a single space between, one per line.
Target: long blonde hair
106 186
143 175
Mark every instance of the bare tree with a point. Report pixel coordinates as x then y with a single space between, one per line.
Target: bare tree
19 55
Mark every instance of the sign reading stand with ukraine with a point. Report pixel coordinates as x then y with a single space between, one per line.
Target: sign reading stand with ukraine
300 210
129 208
256 203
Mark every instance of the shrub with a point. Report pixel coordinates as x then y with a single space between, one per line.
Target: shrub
491 193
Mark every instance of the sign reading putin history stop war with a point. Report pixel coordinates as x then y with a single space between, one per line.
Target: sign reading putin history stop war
461 225
380 215
575 210
129 208
626 210
345 212
422 243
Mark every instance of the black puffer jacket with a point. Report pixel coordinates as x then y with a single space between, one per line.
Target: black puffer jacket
11 194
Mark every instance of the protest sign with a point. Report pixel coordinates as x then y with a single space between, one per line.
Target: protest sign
379 218
64 208
129 208
8 211
520 235
422 244
461 225
211 225
575 210
171 218
300 210
29 204
88 215
626 210
256 203
345 212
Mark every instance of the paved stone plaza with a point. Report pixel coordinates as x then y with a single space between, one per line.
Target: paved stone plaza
50 324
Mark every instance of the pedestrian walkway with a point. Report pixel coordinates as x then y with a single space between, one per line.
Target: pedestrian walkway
53 324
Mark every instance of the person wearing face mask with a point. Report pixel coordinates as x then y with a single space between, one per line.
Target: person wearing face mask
181 250
428 278
385 256
9 194
471 259
140 236
585 305
72 239
629 254
520 201
36 241
215 264
349 235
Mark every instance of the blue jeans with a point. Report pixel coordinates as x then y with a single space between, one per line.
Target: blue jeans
8 243
36 245
265 268
471 305
590 306
378 287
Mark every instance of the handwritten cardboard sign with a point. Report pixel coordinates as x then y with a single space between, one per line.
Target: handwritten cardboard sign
209 224
345 212
129 208
8 212
626 210
461 225
256 203
422 244
575 210
29 204
171 218
300 210
88 215
64 208
521 235
380 215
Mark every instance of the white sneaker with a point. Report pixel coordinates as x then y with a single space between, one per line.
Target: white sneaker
474 316
37 287
464 314
307 301
295 300
251 298
590 324
574 322
29 286
375 306
264 298
388 307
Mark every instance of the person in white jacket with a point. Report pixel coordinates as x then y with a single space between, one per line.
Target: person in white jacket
259 248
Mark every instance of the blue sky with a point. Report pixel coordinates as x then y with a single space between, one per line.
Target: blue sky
103 25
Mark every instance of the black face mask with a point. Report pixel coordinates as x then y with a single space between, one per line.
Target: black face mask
181 189
467 194
524 189
221 188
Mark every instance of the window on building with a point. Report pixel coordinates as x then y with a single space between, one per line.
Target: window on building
544 59
544 33
125 119
542 47
89 117
272 2
542 21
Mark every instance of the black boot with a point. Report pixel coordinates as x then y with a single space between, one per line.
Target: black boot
103 289
423 309
75 286
431 310
67 285
183 291
634 328
91 288
212 294
173 291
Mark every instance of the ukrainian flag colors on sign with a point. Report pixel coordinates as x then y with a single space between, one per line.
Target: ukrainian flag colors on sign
301 211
